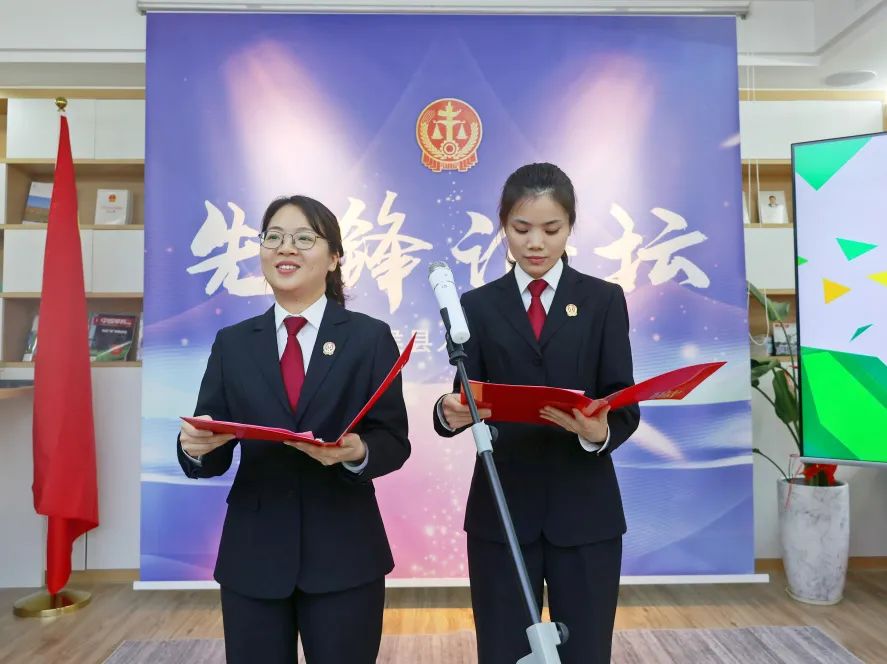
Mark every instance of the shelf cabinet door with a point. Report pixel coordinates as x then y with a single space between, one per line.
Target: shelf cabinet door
120 129
23 260
32 128
22 551
770 257
117 406
117 259
2 194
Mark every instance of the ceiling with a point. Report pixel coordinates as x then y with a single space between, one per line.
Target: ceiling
783 44
798 43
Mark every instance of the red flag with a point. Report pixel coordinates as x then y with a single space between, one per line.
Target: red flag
65 488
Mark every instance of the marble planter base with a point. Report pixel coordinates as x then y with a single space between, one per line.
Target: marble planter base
807 600
814 528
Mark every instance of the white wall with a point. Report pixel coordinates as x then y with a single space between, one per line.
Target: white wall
65 31
112 31
868 489
117 398
767 131
768 128
834 16
764 30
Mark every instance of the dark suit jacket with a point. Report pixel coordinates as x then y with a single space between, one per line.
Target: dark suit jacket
553 486
291 521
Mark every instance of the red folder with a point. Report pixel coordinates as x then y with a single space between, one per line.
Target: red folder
255 432
522 403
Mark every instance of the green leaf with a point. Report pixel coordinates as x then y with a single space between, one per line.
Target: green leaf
785 399
758 295
776 311
759 369
779 310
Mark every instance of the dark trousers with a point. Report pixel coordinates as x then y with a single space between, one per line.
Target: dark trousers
583 588
336 628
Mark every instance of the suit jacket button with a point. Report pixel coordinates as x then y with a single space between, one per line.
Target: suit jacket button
537 361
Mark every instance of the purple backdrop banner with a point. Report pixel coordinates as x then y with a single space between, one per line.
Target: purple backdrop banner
369 114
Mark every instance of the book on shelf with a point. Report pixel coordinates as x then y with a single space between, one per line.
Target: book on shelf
37 205
31 343
785 339
111 336
113 207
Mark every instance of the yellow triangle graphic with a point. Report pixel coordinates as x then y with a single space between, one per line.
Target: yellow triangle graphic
880 277
832 291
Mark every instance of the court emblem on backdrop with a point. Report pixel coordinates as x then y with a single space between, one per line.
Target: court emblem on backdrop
448 132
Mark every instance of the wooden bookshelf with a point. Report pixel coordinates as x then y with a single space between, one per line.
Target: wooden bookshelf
767 175
91 176
90 227
769 225
18 309
757 318
95 365
89 296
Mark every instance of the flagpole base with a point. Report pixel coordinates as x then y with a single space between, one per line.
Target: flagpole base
43 605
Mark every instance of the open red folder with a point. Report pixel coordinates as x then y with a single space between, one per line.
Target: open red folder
522 403
256 432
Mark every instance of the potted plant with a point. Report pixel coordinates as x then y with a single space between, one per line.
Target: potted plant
814 508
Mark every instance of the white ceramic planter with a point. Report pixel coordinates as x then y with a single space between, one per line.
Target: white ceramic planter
814 528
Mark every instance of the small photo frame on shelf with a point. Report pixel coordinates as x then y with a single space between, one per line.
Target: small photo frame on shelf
771 207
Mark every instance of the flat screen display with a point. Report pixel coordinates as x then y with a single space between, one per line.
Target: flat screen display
840 189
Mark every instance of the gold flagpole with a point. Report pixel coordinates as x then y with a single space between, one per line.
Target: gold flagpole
42 604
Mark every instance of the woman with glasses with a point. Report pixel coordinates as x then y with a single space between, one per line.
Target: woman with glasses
303 549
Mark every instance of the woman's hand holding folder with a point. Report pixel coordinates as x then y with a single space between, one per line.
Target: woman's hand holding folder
352 449
457 414
593 429
197 442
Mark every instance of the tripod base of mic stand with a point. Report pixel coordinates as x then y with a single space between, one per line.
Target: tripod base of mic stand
544 639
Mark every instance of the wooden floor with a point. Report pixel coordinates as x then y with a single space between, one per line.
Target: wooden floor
117 612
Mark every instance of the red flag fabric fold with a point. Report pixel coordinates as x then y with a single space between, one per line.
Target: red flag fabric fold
65 484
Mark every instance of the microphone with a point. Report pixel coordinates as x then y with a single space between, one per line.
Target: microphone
441 279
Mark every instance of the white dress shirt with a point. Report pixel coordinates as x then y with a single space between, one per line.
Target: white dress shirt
307 335
552 277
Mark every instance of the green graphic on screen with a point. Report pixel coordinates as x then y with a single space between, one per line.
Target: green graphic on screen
841 215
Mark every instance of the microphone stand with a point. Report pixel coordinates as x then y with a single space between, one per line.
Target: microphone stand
544 637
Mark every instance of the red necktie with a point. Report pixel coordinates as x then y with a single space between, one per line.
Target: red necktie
291 365
536 312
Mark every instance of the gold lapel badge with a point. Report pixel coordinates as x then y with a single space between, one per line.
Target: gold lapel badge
572 310
329 348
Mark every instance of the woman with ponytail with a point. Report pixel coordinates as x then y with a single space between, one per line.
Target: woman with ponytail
303 549
544 323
